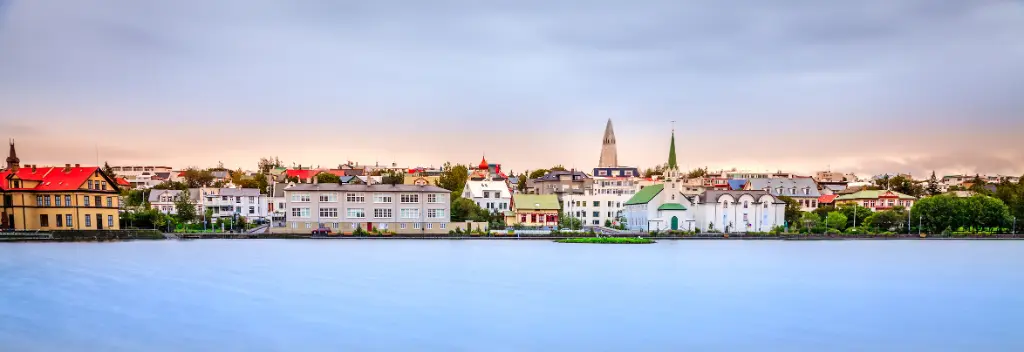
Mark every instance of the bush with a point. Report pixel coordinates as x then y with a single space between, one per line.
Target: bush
854 231
359 231
832 232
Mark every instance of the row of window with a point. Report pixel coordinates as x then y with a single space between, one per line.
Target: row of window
97 185
597 214
596 204
65 201
534 218
361 198
883 203
67 220
492 205
238 200
360 213
382 226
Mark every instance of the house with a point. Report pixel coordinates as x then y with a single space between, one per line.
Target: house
488 188
560 182
827 200
605 202
533 210
277 204
802 189
57 198
344 208
300 175
877 200
247 203
834 177
163 200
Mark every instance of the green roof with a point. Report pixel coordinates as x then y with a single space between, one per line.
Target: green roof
672 152
671 206
871 194
535 201
645 195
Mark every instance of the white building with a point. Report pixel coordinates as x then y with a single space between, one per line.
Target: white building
491 194
144 177
225 202
344 208
802 189
603 203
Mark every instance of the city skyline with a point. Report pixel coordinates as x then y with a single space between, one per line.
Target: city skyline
876 87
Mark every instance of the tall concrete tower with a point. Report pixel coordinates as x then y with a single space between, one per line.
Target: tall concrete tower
609 157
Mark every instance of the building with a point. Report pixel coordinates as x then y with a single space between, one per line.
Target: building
827 200
603 203
663 207
163 200
533 210
299 175
801 189
57 198
344 208
609 154
488 188
277 204
247 203
560 183
877 200
144 177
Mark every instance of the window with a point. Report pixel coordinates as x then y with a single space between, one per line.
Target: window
39 200
610 203
60 220
238 210
410 198
67 200
435 213
44 220
252 210
354 225
745 204
252 199
225 198
295 225
416 226
766 205
90 184
597 214
356 213
487 194
381 198
300 197
110 202
309 225
602 172
382 213
329 197
68 221
382 226
430 226
300 212
444 226
110 221
56 200
807 191
432 198
86 202
99 202
402 226
597 203
410 213
328 212
238 200
88 220
355 198
725 205
103 185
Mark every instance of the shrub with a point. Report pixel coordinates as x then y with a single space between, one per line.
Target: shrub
832 232
359 231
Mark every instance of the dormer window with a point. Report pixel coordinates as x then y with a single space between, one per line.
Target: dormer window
807 191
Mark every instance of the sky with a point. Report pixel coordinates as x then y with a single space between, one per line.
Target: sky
870 86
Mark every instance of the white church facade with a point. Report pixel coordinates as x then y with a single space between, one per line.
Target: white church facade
662 207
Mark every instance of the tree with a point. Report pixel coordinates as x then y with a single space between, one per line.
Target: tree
538 173
698 172
836 220
823 211
261 183
265 164
171 185
196 178
132 197
887 220
453 178
933 185
809 220
792 209
184 208
327 177
521 185
947 212
109 171
557 168
855 214
393 177
905 185
570 222
464 209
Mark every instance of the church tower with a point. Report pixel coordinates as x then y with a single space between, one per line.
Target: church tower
609 156
13 163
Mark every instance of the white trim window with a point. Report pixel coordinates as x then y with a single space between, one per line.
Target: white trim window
300 197
300 212
328 212
409 213
355 198
435 213
356 213
402 226
433 198
430 225
329 197
416 226
382 213
383 226
444 226
382 198
410 198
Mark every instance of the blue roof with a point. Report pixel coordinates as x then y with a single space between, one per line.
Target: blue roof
737 185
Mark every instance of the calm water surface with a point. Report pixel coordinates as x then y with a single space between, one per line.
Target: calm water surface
294 295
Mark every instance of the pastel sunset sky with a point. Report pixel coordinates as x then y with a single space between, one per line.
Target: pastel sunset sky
866 86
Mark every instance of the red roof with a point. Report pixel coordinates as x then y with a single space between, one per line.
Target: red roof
52 178
302 174
827 199
483 164
123 182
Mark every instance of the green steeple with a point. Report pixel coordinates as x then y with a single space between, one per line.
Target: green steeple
672 153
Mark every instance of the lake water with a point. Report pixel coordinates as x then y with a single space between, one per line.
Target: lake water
366 295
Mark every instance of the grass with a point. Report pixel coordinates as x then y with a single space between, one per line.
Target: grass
611 240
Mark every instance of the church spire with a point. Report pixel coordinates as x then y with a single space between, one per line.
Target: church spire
13 163
609 154
672 152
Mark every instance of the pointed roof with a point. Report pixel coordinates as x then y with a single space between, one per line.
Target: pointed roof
609 156
12 156
483 164
672 152
609 133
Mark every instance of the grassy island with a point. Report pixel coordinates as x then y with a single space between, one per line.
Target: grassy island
611 240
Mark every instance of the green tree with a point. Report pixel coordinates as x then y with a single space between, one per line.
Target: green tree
184 208
906 186
171 185
933 185
521 183
823 211
393 177
855 214
464 209
196 178
809 220
698 172
327 177
570 222
792 209
109 171
261 183
453 178
836 220
538 173
887 220
266 164
558 168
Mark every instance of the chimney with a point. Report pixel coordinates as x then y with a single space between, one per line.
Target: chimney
33 168
315 180
67 168
78 165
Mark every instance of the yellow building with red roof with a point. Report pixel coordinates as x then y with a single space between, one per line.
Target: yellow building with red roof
56 198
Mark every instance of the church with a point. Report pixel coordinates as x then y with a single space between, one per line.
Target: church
662 207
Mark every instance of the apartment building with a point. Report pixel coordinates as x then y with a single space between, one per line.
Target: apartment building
344 208
603 203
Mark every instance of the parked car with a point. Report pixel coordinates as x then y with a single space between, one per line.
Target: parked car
322 230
